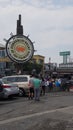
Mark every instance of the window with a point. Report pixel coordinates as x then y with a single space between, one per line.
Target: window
40 61
2 64
2 53
15 79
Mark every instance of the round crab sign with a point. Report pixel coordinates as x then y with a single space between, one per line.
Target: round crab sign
19 48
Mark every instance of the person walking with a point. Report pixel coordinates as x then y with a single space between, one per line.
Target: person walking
50 85
31 88
43 86
37 86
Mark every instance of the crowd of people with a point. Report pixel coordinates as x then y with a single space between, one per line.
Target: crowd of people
40 85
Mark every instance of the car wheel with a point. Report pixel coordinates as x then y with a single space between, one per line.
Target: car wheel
21 92
10 97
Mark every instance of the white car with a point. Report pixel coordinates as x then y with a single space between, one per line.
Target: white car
21 80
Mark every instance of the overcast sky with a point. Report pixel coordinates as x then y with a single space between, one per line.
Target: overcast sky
48 22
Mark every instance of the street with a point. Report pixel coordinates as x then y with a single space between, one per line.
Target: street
54 111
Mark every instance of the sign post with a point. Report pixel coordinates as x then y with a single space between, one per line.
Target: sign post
19 48
65 54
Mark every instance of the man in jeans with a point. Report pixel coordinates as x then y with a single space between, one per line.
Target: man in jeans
37 85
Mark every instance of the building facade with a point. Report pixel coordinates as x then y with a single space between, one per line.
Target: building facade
7 66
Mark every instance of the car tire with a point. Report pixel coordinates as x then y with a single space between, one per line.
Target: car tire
21 92
10 97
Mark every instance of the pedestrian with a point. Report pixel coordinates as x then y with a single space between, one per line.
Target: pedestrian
57 84
43 86
31 88
50 85
47 85
37 87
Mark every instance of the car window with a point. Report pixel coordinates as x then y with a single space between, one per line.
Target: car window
15 79
21 79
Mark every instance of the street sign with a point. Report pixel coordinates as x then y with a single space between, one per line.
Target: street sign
64 53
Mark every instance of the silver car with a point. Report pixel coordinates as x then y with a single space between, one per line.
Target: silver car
8 90
21 80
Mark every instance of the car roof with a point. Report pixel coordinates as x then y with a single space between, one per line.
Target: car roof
16 76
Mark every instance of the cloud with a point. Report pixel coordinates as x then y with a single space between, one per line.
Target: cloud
62 3
39 3
48 22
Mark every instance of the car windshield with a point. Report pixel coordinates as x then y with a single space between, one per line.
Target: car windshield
15 79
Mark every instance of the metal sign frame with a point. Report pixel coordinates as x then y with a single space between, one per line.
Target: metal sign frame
19 48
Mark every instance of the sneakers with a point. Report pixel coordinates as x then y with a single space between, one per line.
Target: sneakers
30 98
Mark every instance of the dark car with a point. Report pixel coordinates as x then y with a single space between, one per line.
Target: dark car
66 84
70 85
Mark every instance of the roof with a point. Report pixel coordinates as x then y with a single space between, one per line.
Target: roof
39 56
2 46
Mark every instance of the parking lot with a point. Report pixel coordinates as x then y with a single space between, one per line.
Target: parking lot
54 111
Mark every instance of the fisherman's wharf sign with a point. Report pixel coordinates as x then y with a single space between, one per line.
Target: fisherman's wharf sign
19 48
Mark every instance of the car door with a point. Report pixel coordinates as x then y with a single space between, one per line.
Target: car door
1 88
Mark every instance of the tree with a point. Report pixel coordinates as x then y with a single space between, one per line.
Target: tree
29 67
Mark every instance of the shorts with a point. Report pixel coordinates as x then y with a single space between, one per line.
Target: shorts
31 90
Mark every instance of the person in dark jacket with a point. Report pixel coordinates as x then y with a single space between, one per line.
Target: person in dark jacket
43 86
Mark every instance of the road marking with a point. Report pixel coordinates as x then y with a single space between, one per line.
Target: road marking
33 115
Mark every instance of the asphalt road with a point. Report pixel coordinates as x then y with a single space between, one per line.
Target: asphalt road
54 111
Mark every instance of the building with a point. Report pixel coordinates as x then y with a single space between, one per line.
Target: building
65 69
38 59
50 69
7 66
3 59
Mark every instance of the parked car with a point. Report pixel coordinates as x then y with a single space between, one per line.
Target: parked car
8 90
1 90
66 84
70 84
21 80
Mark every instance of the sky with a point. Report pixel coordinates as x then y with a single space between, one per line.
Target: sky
49 23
